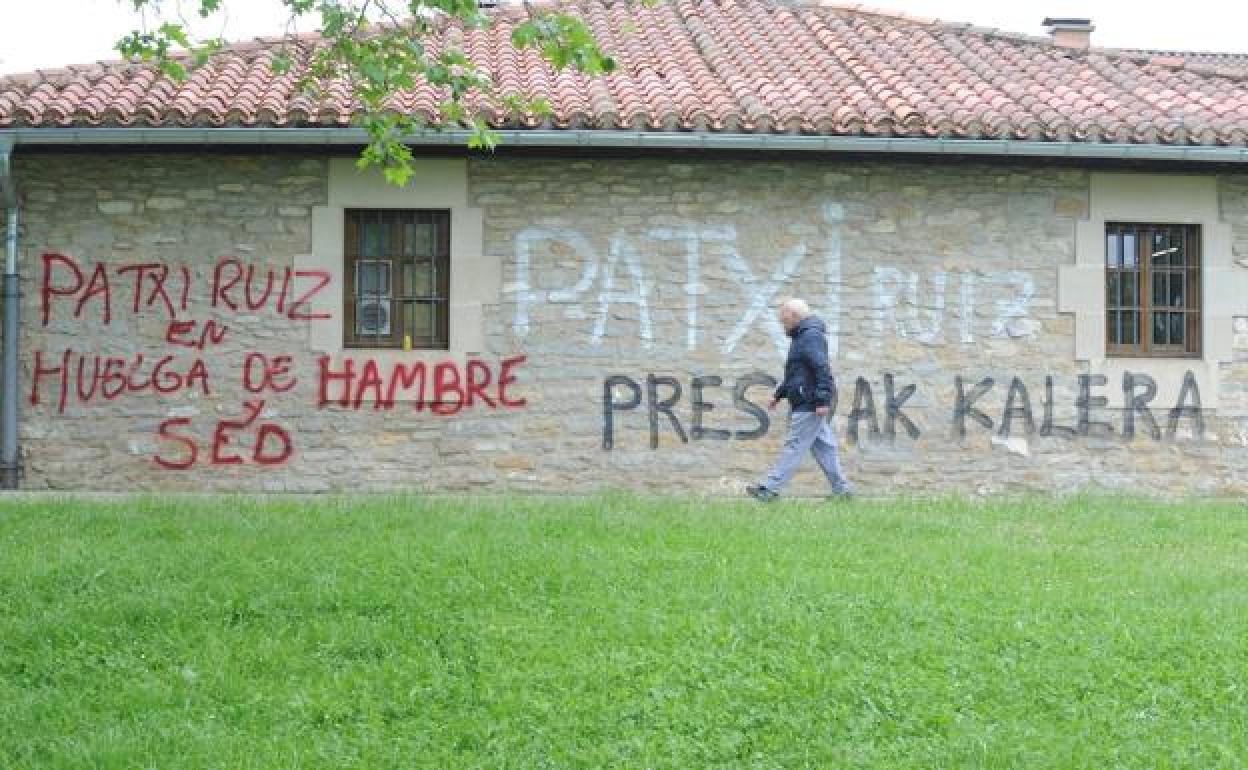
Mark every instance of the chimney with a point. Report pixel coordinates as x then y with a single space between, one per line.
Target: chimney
1070 33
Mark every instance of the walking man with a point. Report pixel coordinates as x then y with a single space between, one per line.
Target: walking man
807 386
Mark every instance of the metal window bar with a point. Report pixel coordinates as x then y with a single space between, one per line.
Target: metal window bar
398 231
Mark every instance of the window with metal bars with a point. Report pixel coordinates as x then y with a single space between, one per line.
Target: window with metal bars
1153 297
398 279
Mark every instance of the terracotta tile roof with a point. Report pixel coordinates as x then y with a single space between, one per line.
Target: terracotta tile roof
1208 61
721 66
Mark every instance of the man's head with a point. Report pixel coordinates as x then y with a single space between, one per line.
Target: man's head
792 312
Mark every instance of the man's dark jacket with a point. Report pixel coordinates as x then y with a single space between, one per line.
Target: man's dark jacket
807 374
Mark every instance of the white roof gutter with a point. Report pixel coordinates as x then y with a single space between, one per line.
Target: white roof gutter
638 140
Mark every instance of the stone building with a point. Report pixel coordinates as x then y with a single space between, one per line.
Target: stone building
1032 255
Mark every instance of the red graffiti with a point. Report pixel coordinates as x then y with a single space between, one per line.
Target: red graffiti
98 286
506 378
98 291
261 373
161 288
290 300
446 390
85 378
298 309
48 291
182 334
272 445
192 449
158 273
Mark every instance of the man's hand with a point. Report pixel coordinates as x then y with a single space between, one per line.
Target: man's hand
772 406
822 411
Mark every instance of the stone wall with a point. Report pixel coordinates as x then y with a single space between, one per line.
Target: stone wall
622 280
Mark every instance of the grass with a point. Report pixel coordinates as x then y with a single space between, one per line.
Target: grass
621 632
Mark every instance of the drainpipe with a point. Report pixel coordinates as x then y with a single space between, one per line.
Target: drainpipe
9 458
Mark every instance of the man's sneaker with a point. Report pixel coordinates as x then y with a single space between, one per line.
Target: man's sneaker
761 493
841 497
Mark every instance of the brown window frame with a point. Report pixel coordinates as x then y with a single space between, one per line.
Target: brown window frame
1131 329
399 250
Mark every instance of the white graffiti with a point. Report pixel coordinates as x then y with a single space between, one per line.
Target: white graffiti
893 287
523 287
889 282
760 295
911 305
833 219
1012 320
620 246
968 309
692 237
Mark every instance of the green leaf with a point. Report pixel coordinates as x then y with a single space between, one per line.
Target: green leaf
377 61
174 69
281 62
372 70
481 137
176 33
541 107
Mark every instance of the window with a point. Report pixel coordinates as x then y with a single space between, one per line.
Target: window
398 278
1152 283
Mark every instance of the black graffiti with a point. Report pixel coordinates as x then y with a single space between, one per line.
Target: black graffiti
701 406
863 409
1087 402
1017 406
666 404
1183 409
610 406
749 407
965 406
1091 414
1049 427
1136 404
894 402
1138 391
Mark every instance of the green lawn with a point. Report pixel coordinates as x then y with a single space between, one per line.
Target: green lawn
621 632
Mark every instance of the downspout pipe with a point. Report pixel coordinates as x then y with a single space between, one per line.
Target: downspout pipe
10 458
